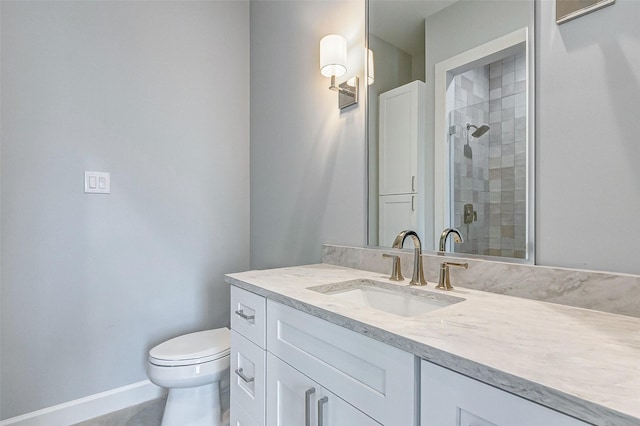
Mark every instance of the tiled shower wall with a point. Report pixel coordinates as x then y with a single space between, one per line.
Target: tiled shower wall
494 178
507 157
471 175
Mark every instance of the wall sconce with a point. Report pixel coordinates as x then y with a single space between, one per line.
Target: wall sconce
370 69
368 59
333 63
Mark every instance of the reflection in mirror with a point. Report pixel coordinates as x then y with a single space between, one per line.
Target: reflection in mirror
450 124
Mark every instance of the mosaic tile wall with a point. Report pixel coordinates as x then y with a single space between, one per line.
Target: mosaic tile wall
490 171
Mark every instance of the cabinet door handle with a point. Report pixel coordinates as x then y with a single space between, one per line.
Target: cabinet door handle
241 314
321 402
307 406
413 184
413 203
246 379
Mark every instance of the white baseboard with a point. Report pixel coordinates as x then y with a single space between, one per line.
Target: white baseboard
89 407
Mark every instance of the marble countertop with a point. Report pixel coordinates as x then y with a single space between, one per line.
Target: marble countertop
577 361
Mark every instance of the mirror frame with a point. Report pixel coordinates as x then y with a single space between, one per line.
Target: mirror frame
530 149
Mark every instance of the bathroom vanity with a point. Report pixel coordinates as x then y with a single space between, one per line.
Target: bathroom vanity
316 369
302 356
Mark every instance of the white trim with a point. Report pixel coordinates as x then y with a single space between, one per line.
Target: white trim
531 138
89 407
481 55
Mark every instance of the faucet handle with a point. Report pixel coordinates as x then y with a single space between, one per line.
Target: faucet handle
461 265
396 271
444 281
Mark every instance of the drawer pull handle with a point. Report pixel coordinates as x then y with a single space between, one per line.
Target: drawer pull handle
321 402
246 379
307 406
241 314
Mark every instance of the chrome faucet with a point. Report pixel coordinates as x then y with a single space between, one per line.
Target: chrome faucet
418 271
445 234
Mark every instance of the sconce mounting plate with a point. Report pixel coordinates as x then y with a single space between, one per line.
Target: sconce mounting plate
348 95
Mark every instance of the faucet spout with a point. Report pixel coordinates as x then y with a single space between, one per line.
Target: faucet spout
457 237
417 277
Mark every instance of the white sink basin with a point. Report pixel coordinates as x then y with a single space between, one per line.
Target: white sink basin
394 299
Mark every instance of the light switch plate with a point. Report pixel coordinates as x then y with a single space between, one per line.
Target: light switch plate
97 182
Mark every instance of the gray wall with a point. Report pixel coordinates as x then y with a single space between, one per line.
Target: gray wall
588 150
307 157
587 176
155 93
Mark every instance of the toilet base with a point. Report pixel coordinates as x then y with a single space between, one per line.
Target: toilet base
199 406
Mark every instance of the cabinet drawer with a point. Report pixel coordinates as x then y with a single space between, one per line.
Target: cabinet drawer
239 417
248 376
248 315
376 378
449 398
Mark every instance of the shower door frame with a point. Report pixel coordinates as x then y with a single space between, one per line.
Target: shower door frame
444 74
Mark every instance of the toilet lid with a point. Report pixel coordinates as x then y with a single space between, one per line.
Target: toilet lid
193 348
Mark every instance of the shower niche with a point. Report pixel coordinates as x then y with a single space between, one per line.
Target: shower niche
486 116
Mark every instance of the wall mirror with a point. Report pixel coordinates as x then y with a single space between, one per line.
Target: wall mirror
450 124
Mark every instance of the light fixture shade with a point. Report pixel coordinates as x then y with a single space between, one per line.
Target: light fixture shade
333 55
370 68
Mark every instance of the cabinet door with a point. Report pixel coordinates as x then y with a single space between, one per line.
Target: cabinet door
400 133
451 399
375 378
247 377
290 395
396 213
333 411
241 417
295 399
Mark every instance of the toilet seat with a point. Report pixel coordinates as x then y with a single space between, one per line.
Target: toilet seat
193 348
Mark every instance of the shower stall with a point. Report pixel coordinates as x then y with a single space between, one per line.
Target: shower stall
486 110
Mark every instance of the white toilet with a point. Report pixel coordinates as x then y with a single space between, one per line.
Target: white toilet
193 367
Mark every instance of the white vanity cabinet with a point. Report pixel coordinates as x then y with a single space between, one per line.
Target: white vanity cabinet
248 358
375 378
451 399
290 368
356 380
295 399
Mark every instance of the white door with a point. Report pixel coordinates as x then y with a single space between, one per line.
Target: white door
397 213
400 133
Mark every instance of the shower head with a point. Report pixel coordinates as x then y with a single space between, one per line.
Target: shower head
479 130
